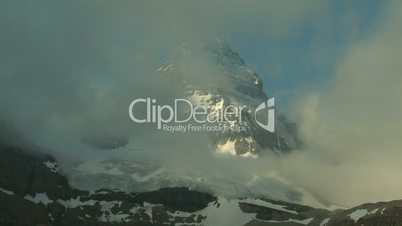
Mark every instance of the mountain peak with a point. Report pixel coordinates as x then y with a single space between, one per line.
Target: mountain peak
214 62
215 76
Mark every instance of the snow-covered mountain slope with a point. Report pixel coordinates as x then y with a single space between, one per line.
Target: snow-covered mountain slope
230 183
140 176
213 75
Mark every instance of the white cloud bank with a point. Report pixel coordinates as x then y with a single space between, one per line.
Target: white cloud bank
353 130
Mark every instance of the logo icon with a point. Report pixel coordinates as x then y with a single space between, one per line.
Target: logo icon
269 107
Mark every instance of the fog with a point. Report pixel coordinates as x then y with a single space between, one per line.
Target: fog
353 128
70 69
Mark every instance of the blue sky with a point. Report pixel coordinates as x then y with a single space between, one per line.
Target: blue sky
309 55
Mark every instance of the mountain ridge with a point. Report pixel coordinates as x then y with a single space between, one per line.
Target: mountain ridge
48 199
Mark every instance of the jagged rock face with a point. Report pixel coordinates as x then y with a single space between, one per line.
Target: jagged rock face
213 75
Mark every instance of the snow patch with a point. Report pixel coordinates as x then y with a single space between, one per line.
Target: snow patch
52 166
357 214
6 191
108 216
73 203
382 211
325 222
373 211
225 212
305 221
266 204
39 198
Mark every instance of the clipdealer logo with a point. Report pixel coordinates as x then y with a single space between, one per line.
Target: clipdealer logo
269 108
162 115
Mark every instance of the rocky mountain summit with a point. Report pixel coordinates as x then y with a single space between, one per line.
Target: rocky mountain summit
211 74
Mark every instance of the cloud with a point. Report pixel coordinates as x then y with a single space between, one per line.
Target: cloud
353 128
